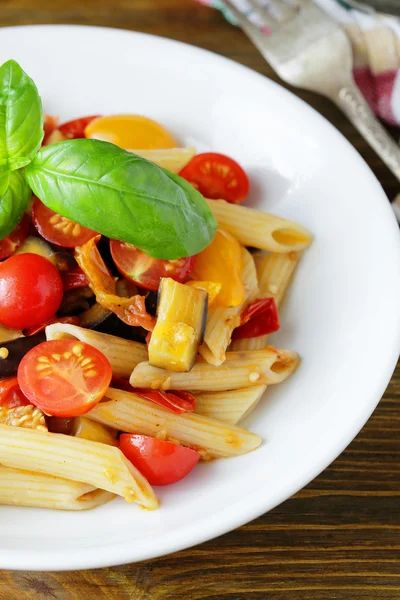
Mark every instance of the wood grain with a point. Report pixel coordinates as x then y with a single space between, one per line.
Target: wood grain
339 538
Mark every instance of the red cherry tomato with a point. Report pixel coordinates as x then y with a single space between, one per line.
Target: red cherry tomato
74 278
31 291
217 176
39 328
76 128
10 393
146 271
10 243
160 462
57 229
176 401
64 378
260 318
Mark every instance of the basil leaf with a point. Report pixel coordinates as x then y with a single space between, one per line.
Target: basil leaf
122 196
21 117
13 200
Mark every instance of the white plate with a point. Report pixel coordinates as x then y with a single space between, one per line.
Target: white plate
342 313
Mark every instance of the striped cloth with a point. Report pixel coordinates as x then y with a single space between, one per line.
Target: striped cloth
376 48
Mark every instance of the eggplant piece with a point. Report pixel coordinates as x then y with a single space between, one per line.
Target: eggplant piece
16 351
151 302
7 335
114 326
181 320
96 432
63 425
103 247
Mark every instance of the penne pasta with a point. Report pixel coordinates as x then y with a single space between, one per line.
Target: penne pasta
259 229
132 413
173 159
123 355
222 321
231 406
98 465
25 488
240 369
274 271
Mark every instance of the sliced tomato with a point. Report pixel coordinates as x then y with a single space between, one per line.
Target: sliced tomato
31 291
162 463
11 394
260 318
57 229
76 128
217 176
146 271
74 278
39 328
10 243
49 125
176 401
64 378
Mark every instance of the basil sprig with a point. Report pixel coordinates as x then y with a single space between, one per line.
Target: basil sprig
94 183
21 117
13 200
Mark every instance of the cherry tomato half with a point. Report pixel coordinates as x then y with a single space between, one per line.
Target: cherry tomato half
76 128
217 176
64 378
74 278
176 401
260 318
57 229
31 291
10 243
10 393
160 462
146 271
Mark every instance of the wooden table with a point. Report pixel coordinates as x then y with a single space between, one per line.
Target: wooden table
336 539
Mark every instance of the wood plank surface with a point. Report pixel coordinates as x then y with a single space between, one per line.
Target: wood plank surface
339 538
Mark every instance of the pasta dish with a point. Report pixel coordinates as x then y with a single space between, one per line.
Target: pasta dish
137 294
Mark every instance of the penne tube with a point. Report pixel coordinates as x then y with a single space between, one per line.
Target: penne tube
98 465
132 413
26 488
240 369
274 271
231 406
173 159
123 355
259 229
222 321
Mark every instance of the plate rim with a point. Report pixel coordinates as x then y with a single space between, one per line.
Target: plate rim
205 530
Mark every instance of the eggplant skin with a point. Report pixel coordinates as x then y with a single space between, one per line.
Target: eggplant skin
114 326
16 351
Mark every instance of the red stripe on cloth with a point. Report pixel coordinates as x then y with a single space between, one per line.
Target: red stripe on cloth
378 91
365 82
384 85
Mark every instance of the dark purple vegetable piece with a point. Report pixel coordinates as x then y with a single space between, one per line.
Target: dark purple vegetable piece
114 326
60 424
16 351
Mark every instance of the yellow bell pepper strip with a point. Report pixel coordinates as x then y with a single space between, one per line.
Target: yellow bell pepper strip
221 262
211 287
